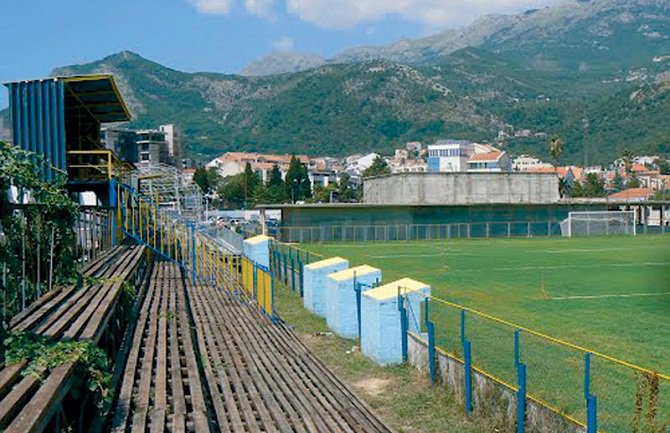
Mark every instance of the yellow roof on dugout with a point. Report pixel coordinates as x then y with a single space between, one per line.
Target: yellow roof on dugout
327 262
257 239
349 273
390 290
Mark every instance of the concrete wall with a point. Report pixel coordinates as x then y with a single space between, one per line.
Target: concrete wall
490 398
462 188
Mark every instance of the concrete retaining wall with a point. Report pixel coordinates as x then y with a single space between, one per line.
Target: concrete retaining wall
462 188
490 398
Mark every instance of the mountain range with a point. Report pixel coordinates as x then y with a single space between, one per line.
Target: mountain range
596 73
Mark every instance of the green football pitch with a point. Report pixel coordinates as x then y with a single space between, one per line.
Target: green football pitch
608 294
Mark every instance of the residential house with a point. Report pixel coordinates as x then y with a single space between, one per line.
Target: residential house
527 162
493 161
450 155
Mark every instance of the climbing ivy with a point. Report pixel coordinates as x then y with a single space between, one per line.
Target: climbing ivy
33 212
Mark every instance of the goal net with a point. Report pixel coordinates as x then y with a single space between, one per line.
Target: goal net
601 223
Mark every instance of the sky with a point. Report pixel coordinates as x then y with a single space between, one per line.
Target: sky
215 35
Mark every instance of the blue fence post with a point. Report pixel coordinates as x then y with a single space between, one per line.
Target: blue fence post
357 289
285 269
113 204
272 298
521 398
591 400
592 414
521 383
430 329
467 355
587 376
193 254
254 267
292 274
301 279
403 326
431 351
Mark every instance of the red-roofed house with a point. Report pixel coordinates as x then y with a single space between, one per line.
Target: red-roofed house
632 195
494 161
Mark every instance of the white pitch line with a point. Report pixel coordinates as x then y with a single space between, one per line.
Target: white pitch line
393 256
604 265
631 295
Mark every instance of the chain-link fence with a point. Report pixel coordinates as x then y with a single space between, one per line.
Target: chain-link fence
419 232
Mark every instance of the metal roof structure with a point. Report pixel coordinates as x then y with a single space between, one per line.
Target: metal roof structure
53 116
99 94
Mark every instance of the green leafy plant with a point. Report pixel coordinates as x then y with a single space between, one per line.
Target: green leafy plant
43 355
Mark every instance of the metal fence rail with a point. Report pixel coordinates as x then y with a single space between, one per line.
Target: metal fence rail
205 259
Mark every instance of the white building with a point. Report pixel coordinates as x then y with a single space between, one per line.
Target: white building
358 165
449 155
527 162
173 139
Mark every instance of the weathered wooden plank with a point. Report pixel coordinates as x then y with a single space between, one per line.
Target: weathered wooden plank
143 393
200 417
122 412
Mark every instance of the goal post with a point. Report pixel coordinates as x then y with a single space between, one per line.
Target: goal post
599 223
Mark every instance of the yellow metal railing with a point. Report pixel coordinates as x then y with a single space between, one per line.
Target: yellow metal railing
100 164
204 260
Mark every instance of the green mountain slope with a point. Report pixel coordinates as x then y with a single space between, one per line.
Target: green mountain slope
335 109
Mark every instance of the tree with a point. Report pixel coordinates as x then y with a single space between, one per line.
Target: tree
627 158
663 166
251 181
345 190
593 186
275 189
633 182
564 187
322 193
297 182
207 179
232 192
556 148
618 183
379 167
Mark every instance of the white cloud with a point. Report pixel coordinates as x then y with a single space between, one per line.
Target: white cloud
284 43
219 7
261 8
348 13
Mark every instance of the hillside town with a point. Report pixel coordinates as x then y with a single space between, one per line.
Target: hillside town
630 177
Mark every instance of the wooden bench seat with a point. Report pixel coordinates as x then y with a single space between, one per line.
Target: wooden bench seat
161 389
261 378
26 404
